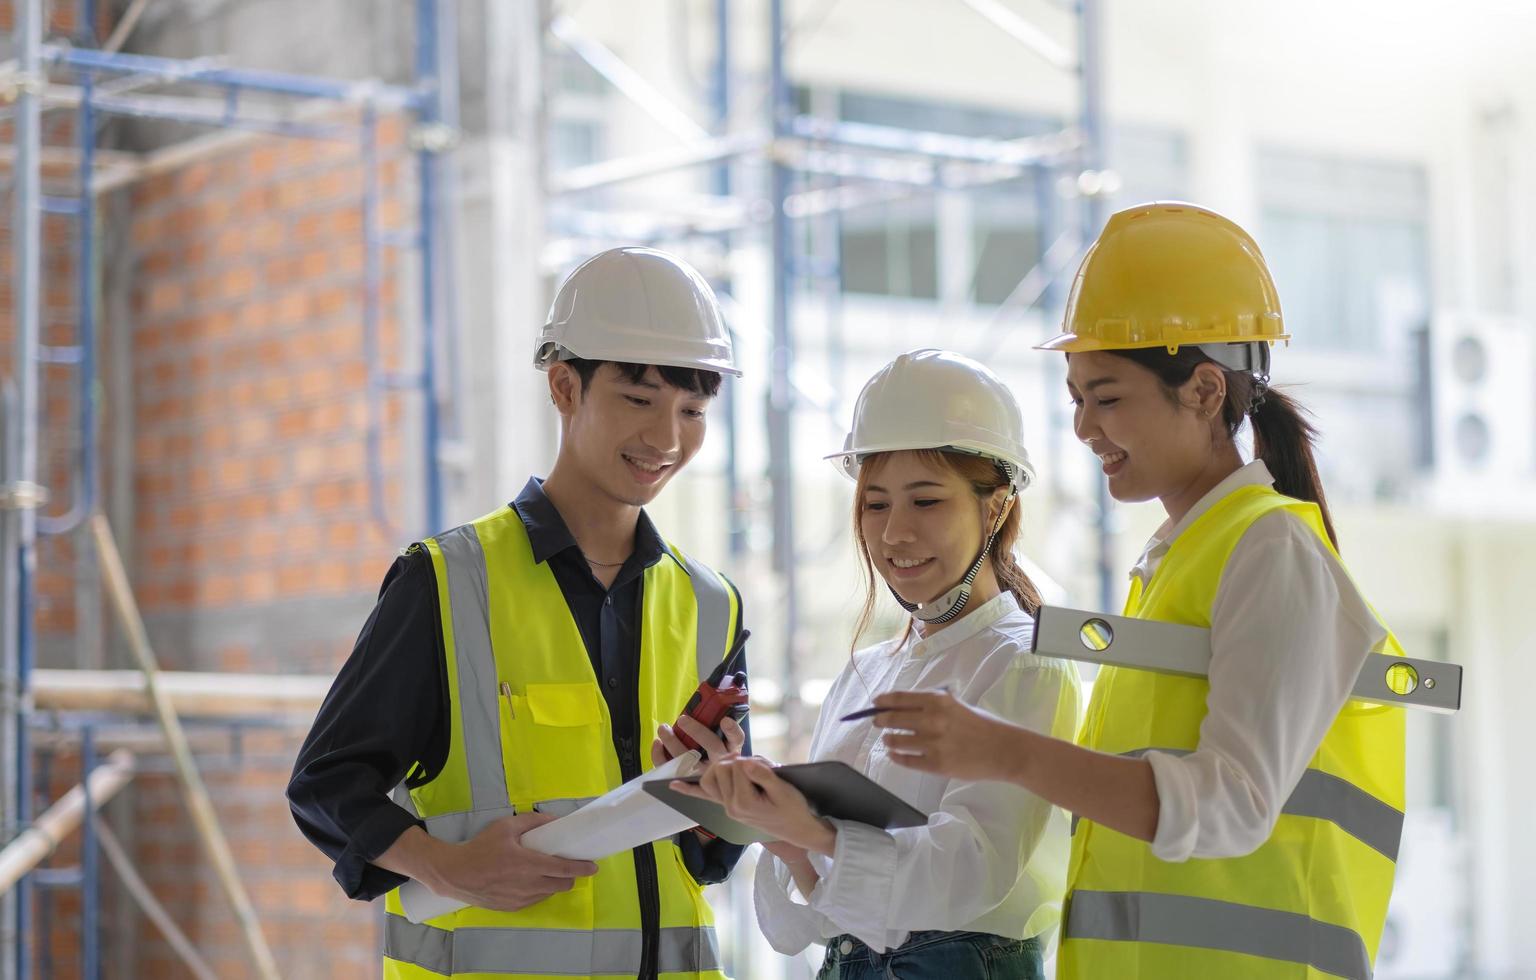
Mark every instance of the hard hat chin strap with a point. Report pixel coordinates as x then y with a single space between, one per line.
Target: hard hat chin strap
952 603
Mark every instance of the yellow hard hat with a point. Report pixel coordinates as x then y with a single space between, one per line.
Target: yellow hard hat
1167 274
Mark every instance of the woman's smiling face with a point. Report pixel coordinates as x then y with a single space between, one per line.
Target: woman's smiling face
1150 445
922 523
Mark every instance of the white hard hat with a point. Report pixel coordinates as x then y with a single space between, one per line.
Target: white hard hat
935 399
639 306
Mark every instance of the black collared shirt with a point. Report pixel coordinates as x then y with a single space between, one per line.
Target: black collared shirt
387 712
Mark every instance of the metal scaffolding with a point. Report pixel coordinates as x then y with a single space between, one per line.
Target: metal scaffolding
106 82
817 168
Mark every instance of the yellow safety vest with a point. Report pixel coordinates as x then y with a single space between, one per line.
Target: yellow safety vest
1311 901
549 747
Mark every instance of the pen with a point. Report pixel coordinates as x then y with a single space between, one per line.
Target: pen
871 712
862 713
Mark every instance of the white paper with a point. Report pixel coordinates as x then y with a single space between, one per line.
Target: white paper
619 820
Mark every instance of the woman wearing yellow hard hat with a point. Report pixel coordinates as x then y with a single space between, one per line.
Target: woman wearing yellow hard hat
1244 825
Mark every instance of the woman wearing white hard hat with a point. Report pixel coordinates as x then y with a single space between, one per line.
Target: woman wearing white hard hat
1240 825
938 454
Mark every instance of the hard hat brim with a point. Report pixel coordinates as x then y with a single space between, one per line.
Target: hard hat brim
549 353
847 460
1071 343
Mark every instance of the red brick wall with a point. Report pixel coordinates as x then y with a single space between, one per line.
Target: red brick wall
313 931
250 377
251 490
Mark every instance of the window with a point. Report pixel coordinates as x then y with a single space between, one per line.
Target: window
895 249
975 245
1345 239
891 249
1153 164
578 112
1006 242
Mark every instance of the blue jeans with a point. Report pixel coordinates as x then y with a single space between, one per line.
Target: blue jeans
936 956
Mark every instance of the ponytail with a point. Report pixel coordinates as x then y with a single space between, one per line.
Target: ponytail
1012 578
1283 438
1282 433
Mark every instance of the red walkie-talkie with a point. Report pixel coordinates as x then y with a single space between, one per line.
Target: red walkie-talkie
722 695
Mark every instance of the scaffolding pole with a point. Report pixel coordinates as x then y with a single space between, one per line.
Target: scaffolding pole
199 804
153 910
22 490
204 694
432 67
884 163
40 839
1091 124
781 391
720 93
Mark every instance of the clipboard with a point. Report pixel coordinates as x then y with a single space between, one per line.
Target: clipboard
834 789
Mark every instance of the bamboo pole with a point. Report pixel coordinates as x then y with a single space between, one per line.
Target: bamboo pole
33 845
141 893
204 818
150 743
204 694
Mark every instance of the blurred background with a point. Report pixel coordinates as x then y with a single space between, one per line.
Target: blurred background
272 271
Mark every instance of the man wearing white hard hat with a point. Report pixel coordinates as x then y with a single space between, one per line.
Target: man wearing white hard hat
937 453
520 665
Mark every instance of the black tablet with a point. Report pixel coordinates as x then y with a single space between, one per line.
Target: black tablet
834 789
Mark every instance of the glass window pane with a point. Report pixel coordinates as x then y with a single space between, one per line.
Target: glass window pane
1340 235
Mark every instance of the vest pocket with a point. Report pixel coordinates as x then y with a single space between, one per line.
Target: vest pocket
565 705
554 743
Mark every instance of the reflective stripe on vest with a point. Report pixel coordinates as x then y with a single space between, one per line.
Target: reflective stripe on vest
477 689
470 604
1313 896
559 952
1325 796
462 826
1182 920
714 613
575 933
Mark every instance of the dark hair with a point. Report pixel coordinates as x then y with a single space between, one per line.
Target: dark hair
696 380
1282 433
985 478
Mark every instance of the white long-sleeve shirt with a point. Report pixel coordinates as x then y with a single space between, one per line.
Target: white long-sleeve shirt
1289 634
992 857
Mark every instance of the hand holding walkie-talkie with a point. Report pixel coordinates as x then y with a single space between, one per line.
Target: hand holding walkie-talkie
722 695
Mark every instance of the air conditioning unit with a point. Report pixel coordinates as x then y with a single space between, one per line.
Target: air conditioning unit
1482 400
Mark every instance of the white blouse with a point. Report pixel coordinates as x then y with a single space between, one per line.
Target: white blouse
1289 634
992 857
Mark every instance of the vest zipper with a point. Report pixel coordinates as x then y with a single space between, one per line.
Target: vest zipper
645 875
